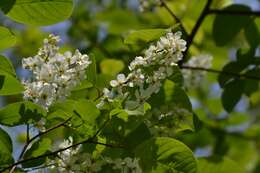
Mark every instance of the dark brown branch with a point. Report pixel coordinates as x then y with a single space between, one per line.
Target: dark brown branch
221 72
60 150
238 13
36 136
12 167
27 133
195 29
164 4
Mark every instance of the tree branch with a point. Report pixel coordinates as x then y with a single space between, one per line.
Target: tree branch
60 150
238 13
90 140
219 71
164 4
195 29
29 141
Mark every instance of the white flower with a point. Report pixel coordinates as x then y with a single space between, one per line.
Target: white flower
74 160
55 74
121 79
193 78
148 72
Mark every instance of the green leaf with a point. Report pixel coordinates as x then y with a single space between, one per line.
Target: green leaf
251 85
6 65
9 85
165 155
232 67
218 165
252 34
83 85
40 12
111 66
87 110
6 5
119 20
177 77
232 94
83 114
6 148
7 39
137 136
38 148
144 35
225 27
5 141
21 113
91 72
120 113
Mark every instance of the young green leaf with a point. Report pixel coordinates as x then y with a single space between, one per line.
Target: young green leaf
165 155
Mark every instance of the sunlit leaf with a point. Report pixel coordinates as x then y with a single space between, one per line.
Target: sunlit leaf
9 85
7 39
38 148
111 66
40 12
218 165
165 155
21 113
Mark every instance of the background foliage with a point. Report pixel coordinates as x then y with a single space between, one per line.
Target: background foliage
219 131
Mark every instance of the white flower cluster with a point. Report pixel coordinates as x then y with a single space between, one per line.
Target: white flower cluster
73 160
147 72
148 4
55 74
193 78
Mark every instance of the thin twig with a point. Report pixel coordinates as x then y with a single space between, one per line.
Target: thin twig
238 13
27 133
90 140
60 150
35 137
195 29
221 72
164 4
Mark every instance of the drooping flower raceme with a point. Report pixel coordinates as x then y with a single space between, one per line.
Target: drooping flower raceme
54 74
193 78
147 72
